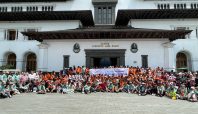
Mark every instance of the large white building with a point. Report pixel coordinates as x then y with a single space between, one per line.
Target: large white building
50 35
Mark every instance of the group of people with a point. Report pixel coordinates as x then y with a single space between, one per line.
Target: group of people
140 81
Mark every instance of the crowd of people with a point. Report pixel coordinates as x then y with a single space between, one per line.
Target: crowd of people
140 81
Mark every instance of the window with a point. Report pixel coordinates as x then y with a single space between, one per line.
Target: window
145 61
196 32
104 11
11 60
12 34
104 14
65 61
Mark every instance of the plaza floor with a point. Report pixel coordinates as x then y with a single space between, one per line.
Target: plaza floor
95 103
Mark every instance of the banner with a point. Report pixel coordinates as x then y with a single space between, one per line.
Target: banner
110 71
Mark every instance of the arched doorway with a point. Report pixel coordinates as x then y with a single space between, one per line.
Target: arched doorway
183 62
31 62
11 60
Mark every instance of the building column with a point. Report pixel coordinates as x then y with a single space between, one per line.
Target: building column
43 57
169 61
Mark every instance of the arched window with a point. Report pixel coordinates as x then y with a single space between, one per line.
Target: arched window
11 60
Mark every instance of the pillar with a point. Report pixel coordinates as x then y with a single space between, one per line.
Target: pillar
43 57
169 61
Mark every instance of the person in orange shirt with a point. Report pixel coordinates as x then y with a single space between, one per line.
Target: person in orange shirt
44 77
79 70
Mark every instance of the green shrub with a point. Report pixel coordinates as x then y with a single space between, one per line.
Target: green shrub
6 67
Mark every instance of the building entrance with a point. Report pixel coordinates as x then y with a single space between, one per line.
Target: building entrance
105 61
105 58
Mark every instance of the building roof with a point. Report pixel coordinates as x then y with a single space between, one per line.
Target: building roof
123 16
109 33
85 16
16 1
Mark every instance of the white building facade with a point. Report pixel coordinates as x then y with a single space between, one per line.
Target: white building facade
50 35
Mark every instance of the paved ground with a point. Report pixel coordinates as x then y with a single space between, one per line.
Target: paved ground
96 103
